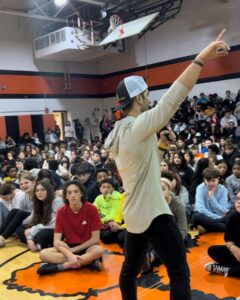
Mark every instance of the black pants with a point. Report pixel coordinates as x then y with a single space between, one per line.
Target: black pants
44 237
166 239
223 256
111 237
12 222
209 224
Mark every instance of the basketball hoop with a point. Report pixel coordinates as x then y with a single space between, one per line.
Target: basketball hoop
115 21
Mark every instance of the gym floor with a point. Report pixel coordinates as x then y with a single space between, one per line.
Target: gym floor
19 279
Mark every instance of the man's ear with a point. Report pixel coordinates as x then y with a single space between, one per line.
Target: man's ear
138 99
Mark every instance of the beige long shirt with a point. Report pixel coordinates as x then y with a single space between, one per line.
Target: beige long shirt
133 143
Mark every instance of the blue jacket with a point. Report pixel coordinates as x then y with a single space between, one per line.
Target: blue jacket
214 207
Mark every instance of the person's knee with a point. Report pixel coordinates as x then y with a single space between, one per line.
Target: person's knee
194 218
98 251
43 255
211 250
107 237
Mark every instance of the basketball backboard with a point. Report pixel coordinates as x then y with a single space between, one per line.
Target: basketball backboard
128 29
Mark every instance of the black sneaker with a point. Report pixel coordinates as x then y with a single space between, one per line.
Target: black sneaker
215 268
45 269
96 265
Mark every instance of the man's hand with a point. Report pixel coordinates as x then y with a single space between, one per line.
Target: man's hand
215 49
163 137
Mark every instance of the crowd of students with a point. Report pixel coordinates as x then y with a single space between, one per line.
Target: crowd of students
63 198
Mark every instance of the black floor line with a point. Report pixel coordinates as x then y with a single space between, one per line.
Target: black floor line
12 258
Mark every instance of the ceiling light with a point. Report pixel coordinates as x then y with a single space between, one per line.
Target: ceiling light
60 2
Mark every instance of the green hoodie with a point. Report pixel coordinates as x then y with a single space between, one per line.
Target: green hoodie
109 206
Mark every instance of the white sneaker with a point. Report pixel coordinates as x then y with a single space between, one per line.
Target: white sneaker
215 268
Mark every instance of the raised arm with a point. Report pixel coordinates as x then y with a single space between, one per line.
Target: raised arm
153 120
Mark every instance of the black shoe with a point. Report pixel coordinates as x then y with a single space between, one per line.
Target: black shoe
96 265
45 269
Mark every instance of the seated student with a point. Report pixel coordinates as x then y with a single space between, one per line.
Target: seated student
19 163
196 153
95 160
230 152
108 204
227 257
165 165
177 207
223 169
18 215
10 198
11 172
38 232
113 173
118 224
83 174
76 234
233 182
211 205
178 190
100 175
180 166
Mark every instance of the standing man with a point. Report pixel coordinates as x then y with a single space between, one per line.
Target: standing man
133 143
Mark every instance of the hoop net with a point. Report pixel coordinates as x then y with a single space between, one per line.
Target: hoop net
115 21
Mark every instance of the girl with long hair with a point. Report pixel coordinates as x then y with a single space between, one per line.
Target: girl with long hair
38 232
180 166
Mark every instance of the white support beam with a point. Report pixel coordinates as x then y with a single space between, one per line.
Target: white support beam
29 15
42 6
39 8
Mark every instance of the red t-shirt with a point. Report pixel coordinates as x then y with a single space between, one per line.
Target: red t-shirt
77 228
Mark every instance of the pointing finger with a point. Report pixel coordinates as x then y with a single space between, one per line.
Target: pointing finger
220 35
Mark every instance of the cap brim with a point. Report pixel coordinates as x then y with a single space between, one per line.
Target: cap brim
117 108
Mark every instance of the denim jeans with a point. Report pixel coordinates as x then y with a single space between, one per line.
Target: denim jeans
166 239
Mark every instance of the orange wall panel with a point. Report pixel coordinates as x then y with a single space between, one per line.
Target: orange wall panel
25 124
48 122
3 129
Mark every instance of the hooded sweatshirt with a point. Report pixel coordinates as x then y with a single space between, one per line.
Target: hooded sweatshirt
133 143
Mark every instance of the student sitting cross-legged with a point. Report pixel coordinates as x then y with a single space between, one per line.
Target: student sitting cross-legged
108 205
76 234
227 257
211 205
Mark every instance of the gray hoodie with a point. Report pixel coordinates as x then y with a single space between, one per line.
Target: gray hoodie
133 143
